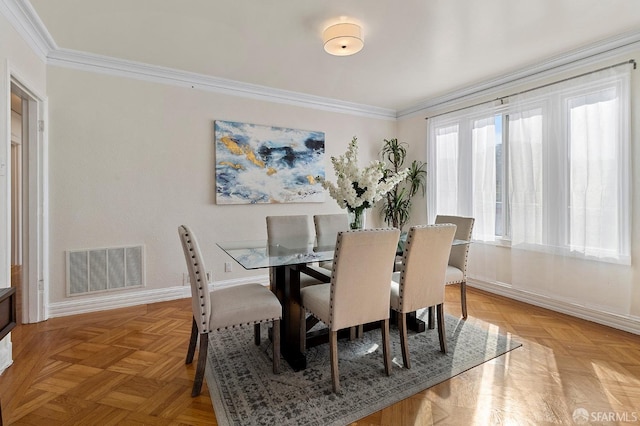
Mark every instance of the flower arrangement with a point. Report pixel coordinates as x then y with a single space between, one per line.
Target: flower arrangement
358 189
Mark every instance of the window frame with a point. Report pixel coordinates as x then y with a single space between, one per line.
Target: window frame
555 163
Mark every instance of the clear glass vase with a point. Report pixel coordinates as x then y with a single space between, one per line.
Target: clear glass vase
356 218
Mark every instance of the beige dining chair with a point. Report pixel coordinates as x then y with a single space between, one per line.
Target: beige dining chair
223 308
420 283
327 227
293 230
359 290
457 269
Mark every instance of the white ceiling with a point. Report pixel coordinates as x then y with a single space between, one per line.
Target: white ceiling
414 50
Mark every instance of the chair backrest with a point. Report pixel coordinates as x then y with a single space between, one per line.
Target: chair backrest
458 256
328 225
425 259
361 276
200 301
287 228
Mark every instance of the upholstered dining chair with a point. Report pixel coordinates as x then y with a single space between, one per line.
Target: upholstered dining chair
420 283
296 229
327 227
223 308
359 290
457 269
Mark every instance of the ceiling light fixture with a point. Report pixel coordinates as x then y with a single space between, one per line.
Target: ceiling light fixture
343 39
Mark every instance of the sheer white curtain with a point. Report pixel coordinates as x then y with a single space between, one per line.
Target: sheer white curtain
594 178
569 167
446 169
483 177
525 175
565 159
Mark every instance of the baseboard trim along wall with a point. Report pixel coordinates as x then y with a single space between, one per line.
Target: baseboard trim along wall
107 301
5 353
628 323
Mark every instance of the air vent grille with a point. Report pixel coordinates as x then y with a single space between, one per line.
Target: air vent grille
104 269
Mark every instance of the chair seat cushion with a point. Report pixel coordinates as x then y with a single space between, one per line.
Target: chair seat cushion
316 299
454 275
327 264
307 280
243 304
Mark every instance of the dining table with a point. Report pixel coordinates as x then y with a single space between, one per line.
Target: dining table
286 261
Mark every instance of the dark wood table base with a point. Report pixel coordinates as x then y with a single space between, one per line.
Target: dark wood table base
287 289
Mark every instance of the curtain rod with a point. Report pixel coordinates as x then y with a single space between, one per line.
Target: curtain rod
629 62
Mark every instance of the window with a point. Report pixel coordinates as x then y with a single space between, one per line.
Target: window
547 171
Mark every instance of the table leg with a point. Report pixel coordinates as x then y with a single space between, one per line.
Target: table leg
288 291
414 323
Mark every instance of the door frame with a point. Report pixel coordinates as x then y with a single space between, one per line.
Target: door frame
35 253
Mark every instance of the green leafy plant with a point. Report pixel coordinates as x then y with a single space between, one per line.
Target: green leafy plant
396 207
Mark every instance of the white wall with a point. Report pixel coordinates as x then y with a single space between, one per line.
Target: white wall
132 160
16 58
602 292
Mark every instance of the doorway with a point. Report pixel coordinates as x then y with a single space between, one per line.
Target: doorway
27 199
17 114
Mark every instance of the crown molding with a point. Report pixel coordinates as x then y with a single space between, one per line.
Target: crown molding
124 68
26 21
594 53
23 17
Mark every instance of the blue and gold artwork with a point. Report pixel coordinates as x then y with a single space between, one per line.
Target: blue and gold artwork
264 164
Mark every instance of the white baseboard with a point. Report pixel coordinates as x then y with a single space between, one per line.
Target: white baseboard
107 301
6 358
133 298
628 323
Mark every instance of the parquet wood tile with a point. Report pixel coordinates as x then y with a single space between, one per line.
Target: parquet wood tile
126 367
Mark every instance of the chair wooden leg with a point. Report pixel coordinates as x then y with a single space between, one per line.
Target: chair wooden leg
353 332
333 349
386 346
463 298
192 342
442 335
276 346
431 319
256 334
202 363
402 328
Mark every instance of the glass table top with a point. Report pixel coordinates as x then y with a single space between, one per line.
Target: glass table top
256 254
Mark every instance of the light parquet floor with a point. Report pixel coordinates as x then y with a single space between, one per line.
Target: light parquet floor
126 367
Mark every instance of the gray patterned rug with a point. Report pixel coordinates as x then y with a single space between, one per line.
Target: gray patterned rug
244 390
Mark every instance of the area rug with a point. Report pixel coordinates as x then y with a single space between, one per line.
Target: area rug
244 391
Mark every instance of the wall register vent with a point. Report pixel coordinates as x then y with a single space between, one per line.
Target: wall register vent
105 269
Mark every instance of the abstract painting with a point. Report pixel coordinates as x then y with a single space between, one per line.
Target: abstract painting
264 164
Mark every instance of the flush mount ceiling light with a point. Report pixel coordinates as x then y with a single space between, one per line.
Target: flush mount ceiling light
343 39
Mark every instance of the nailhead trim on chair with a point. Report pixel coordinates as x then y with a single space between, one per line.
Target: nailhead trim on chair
333 276
196 266
466 257
335 266
404 256
200 287
247 323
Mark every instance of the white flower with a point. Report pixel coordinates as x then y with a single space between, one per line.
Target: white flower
355 188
